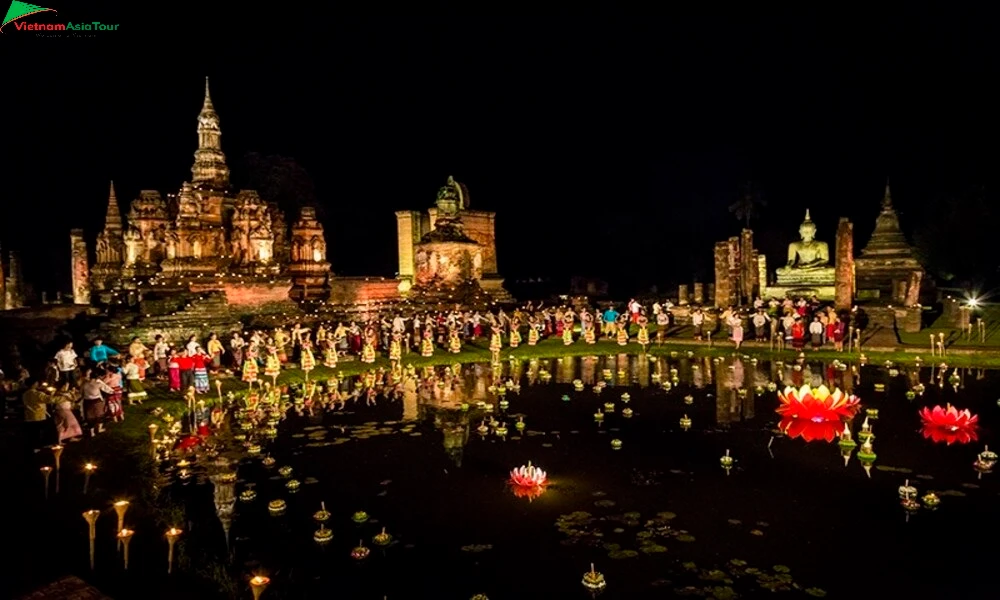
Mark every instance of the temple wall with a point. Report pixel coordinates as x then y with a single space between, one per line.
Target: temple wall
247 294
844 296
80 269
407 235
447 262
363 290
480 226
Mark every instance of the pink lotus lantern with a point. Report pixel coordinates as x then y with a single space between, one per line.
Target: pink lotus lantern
528 481
817 404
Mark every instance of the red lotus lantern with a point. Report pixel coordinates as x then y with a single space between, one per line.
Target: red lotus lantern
810 430
817 404
949 424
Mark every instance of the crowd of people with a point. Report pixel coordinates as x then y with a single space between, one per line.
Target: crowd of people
78 395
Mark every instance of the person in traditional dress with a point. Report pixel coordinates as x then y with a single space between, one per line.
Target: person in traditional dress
161 354
698 323
67 426
587 324
454 339
515 333
236 344
427 342
798 332
136 392
533 327
737 335
94 407
368 346
174 372
215 350
396 347
113 401
249 372
643 337
281 341
137 351
496 339
307 362
272 366
567 329
662 324
621 326
816 333
330 355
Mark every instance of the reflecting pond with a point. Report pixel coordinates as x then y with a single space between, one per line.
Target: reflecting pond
633 450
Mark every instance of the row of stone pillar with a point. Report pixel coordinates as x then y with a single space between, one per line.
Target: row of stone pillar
698 297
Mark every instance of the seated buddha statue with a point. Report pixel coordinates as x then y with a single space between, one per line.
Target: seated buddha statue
808 259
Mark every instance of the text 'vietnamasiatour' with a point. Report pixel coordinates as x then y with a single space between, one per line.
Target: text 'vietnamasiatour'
93 26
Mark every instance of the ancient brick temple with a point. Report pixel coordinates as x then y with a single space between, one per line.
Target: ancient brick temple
207 237
888 269
448 244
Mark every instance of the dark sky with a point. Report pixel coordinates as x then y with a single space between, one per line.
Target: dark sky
607 146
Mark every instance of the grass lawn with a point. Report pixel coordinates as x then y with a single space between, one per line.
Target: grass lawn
954 337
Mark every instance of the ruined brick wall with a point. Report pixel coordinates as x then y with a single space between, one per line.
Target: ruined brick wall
844 290
361 290
481 227
408 233
248 294
722 281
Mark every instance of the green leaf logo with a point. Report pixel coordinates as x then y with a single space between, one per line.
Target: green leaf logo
18 10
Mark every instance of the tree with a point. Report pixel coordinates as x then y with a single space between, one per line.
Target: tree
749 206
282 180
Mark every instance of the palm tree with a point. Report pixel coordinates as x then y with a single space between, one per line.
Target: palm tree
749 205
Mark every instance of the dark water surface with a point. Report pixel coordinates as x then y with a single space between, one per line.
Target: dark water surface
459 530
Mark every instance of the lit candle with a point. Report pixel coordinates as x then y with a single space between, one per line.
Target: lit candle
258 584
124 537
46 472
88 470
172 534
91 518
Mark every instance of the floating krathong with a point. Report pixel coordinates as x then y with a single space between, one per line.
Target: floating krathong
599 416
578 385
322 515
566 398
685 422
867 456
360 517
504 404
871 413
931 500
772 387
253 449
528 476
616 444
987 456
322 535
910 394
909 505
248 495
627 413
268 461
949 425
626 397
593 580
667 386
689 399
520 424
360 552
482 429
866 434
609 407
276 507
293 485
817 404
284 471
906 490
847 444
501 430
382 538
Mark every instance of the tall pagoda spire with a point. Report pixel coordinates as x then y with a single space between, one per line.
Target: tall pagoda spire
113 218
209 162
887 199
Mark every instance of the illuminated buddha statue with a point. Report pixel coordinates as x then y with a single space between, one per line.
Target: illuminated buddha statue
807 259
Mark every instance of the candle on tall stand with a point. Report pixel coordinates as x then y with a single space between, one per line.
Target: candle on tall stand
88 470
124 537
46 471
172 534
91 518
218 388
190 397
57 451
121 507
941 343
258 584
933 345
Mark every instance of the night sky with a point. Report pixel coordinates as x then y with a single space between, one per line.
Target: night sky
608 147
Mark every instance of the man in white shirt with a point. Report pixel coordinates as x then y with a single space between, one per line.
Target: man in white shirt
161 351
66 363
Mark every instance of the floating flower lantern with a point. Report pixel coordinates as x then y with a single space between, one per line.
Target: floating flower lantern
667 386
909 505
772 387
276 507
322 515
501 430
598 388
627 413
726 461
322 535
606 374
742 392
987 456
894 372
685 422
817 404
949 424
906 490
689 399
931 500
866 434
626 398
504 404
599 416
954 379
566 398
360 552
655 377
482 429
690 354
910 394
809 430
846 440
528 476
284 471
360 517
920 389
622 374
382 538
268 461
609 407
616 444
867 456
248 495
520 424
759 390
258 584
293 485
871 413
578 385
593 580
253 449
